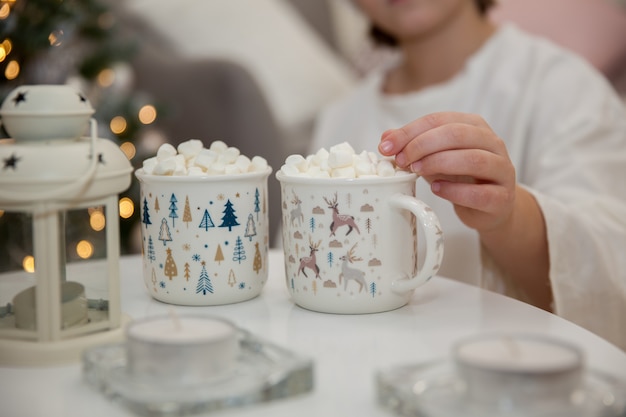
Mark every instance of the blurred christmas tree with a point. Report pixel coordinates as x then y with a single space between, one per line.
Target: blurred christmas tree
76 42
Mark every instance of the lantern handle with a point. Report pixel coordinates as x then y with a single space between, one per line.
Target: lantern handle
73 187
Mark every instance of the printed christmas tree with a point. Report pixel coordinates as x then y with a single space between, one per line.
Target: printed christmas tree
239 253
257 203
170 270
173 208
164 233
204 282
206 221
187 212
257 264
229 219
250 228
151 254
146 213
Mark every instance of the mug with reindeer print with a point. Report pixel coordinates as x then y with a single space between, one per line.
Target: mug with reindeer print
350 244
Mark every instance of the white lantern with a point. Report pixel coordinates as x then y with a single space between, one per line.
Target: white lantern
53 177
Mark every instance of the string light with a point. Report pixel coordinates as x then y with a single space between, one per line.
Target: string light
12 70
28 263
84 249
55 38
106 77
118 125
147 114
127 207
97 221
129 149
5 10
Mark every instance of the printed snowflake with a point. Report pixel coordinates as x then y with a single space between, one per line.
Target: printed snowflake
162 284
186 247
195 257
242 285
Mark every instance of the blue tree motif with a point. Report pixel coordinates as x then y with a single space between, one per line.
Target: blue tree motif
229 219
206 221
173 208
204 282
373 289
250 228
146 215
164 233
239 254
151 254
257 203
312 224
330 258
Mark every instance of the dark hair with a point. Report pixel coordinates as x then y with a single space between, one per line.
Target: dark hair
382 38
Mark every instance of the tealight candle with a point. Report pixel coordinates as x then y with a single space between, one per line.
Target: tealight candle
518 368
185 349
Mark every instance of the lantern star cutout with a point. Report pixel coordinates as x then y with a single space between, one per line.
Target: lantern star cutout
11 162
20 97
100 158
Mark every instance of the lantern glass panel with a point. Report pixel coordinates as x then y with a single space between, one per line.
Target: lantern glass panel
16 263
86 257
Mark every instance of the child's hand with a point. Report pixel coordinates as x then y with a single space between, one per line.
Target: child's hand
464 161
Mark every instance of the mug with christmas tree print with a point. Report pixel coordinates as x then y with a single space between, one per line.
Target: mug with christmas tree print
205 239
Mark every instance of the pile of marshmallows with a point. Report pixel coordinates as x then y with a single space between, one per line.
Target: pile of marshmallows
193 159
340 161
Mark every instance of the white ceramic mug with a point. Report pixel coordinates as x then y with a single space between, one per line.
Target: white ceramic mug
351 244
205 239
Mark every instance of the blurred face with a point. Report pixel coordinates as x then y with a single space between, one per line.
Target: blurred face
414 19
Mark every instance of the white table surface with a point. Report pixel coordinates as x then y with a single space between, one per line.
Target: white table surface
347 350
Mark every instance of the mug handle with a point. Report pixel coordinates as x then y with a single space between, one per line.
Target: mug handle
434 242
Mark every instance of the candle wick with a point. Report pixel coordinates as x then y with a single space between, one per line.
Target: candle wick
175 320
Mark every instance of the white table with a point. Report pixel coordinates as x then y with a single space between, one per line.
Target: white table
347 350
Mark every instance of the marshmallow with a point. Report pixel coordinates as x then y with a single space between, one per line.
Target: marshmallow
165 151
190 148
218 146
258 164
192 159
340 161
149 164
165 166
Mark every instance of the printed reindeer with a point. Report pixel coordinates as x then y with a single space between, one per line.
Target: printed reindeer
348 273
340 219
296 213
310 261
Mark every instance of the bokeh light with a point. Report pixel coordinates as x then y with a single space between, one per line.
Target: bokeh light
5 10
84 249
12 70
97 220
106 77
28 263
147 114
118 125
127 207
129 149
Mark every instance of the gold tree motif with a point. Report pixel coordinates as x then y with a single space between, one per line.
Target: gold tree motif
187 272
232 280
257 264
187 212
170 269
219 255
